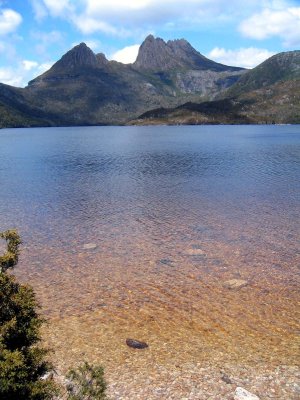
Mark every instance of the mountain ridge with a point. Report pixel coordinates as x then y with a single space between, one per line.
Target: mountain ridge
155 53
84 88
269 93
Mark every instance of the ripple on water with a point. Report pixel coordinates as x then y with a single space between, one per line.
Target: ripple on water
133 232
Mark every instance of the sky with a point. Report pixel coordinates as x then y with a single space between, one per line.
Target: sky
36 33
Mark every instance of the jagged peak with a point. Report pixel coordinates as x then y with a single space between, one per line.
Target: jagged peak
151 38
102 60
181 41
81 45
156 54
79 55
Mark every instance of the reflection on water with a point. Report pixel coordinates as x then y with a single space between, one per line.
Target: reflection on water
173 213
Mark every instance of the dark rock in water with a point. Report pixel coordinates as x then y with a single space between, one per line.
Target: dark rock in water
136 344
166 261
226 379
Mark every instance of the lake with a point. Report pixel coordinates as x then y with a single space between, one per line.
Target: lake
136 231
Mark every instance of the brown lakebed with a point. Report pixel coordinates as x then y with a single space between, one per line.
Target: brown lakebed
144 248
182 309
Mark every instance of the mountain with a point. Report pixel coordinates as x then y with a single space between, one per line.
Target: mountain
84 88
182 71
269 93
224 111
157 55
16 111
281 67
170 82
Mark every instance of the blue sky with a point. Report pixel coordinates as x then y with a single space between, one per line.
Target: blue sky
36 33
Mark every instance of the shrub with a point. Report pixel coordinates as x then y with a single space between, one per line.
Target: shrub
10 258
86 383
22 361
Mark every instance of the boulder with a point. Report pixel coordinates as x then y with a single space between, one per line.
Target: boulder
136 344
194 252
243 394
235 284
89 246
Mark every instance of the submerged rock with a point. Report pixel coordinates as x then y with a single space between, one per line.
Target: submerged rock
194 252
166 261
225 378
89 246
243 394
136 344
235 284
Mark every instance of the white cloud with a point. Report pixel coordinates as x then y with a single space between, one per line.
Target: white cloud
93 44
102 6
244 57
8 52
284 23
119 17
127 55
55 8
10 77
87 25
44 40
39 9
41 68
24 71
135 18
47 37
9 21
28 65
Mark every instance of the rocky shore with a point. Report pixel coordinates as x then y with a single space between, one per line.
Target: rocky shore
201 382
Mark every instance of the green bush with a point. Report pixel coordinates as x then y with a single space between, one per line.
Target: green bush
23 365
10 258
22 361
86 383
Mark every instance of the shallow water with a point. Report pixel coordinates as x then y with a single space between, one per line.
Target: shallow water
171 213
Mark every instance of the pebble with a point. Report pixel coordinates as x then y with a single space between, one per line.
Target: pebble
89 246
243 394
225 378
166 261
48 376
235 284
195 252
136 344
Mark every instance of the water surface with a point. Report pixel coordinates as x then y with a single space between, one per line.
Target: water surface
174 212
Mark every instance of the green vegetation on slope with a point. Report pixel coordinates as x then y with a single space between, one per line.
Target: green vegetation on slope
10 117
270 93
278 68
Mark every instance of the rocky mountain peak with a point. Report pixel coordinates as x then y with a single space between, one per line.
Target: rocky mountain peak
179 43
157 55
80 55
101 59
